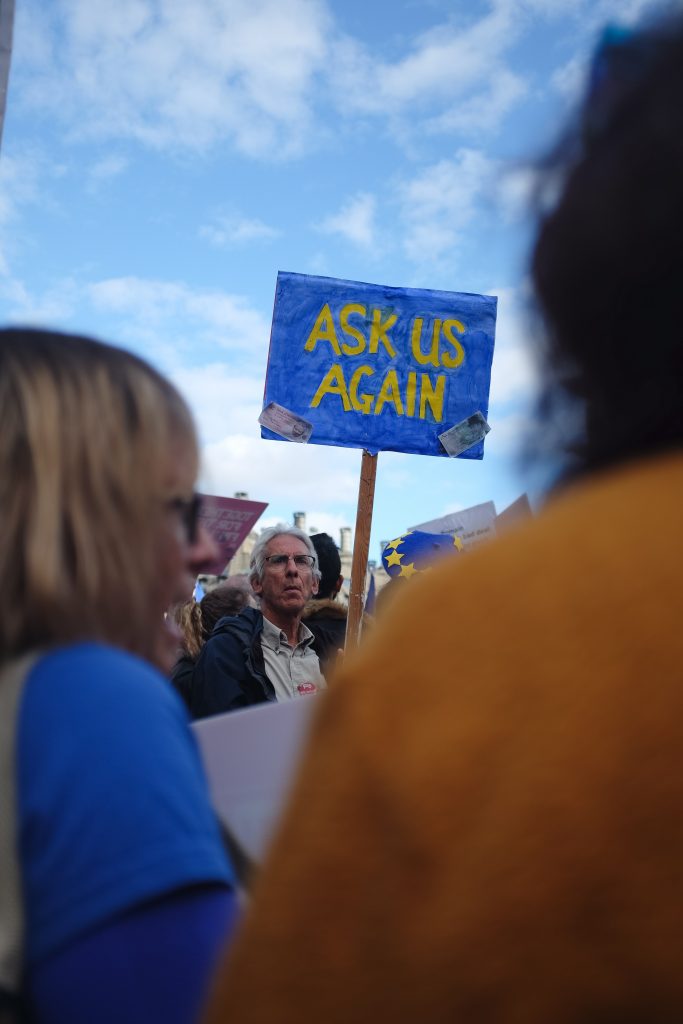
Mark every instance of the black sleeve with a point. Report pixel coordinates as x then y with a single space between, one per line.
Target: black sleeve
329 638
181 676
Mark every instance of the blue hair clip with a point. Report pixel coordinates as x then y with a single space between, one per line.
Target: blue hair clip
621 56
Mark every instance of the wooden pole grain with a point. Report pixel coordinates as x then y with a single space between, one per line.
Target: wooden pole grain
361 547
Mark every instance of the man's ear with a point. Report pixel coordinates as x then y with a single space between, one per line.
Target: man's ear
338 585
315 585
256 586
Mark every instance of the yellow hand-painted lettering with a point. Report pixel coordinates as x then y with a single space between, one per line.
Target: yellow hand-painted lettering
323 330
333 383
363 405
349 329
389 392
451 361
431 393
419 394
416 343
378 331
434 357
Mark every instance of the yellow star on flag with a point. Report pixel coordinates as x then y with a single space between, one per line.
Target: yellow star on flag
394 558
396 543
457 543
408 570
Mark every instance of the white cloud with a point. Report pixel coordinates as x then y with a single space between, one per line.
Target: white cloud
445 62
550 8
111 166
509 434
438 203
53 307
25 177
174 74
179 315
514 375
289 476
224 398
629 11
570 79
330 523
515 192
228 229
462 63
398 469
355 221
20 179
321 521
256 73
485 110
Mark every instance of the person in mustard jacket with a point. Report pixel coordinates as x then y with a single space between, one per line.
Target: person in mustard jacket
486 825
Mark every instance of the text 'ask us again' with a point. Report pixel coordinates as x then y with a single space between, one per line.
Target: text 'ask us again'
413 393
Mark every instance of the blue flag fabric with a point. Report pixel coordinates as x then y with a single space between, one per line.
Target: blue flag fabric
375 367
416 551
370 599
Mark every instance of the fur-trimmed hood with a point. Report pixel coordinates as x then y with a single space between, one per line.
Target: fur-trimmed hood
324 607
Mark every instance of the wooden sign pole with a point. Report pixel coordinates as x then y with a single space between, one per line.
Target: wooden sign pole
361 547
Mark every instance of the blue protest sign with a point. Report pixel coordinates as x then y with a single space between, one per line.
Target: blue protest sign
380 368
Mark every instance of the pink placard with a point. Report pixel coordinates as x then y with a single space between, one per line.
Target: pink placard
229 521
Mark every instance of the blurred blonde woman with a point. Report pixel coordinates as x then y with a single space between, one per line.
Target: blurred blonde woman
116 892
196 621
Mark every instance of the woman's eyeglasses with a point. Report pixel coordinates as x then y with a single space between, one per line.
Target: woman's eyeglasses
188 510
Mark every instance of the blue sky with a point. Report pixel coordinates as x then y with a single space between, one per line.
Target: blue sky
162 160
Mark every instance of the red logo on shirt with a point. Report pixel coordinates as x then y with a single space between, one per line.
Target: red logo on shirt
307 688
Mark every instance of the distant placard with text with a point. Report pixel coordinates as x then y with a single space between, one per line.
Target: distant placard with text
376 367
228 521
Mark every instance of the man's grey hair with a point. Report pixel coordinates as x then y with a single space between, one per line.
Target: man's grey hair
257 563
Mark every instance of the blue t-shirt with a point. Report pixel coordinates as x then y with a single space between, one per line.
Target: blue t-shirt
113 808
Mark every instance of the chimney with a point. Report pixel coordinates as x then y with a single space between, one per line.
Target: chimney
345 534
300 520
241 494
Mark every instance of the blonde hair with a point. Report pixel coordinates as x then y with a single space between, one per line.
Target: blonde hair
86 432
188 617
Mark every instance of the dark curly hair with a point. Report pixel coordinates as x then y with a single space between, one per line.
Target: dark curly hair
607 265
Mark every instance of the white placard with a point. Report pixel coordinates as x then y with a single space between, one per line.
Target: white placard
473 525
250 758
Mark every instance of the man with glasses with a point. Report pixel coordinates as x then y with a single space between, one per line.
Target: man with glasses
265 654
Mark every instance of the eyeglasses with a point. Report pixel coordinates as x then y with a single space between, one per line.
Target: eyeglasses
189 510
280 562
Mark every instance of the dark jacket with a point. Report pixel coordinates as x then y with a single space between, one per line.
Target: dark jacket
181 676
326 619
230 672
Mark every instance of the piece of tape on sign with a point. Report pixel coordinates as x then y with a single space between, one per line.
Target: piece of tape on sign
285 423
465 434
